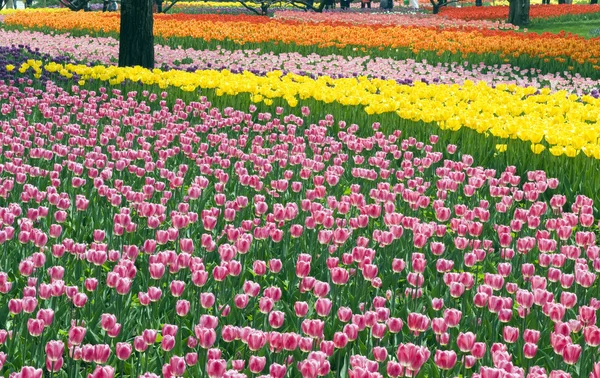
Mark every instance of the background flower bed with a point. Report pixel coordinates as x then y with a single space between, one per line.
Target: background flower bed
546 52
389 19
542 12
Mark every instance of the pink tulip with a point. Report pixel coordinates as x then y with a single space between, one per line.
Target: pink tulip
277 371
206 336
207 300
276 319
123 351
571 353
103 372
511 334
35 327
445 360
216 368
177 366
256 364
54 365
465 341
54 350
323 306
101 353
139 344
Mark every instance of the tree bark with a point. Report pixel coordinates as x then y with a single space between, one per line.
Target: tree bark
136 38
518 13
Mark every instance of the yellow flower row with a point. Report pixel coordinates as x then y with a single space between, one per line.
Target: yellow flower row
224 4
34 10
567 125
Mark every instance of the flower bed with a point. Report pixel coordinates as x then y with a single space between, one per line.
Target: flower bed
288 200
390 19
547 52
200 259
509 112
537 12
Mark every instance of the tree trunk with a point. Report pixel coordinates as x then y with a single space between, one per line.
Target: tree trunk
136 38
518 13
593 1
436 8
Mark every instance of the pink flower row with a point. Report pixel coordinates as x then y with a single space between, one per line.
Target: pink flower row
390 19
226 243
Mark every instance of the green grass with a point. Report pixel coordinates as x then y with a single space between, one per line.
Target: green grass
582 28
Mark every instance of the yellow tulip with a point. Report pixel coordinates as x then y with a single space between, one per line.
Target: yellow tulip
537 148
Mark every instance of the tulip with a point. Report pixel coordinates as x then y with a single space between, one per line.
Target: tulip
256 364
323 306
35 327
571 353
277 371
123 351
167 343
216 368
510 334
191 358
54 365
103 372
207 300
139 344
465 341
177 288
206 336
380 354
177 366
301 309
445 360
108 321
54 350
276 319
29 304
